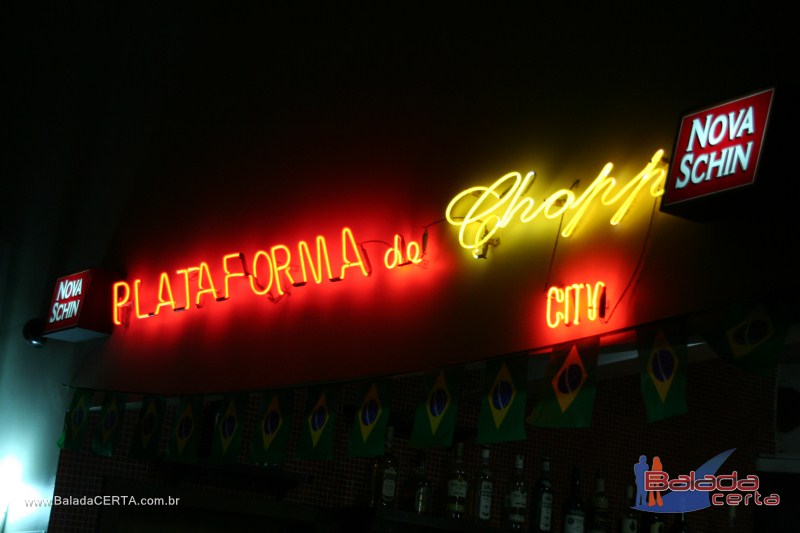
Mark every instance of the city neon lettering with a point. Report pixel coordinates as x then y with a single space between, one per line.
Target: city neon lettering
566 305
489 209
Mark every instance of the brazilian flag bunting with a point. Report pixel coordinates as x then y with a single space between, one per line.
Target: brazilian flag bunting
502 416
316 431
435 419
566 394
107 430
272 428
76 420
371 420
664 363
228 428
185 435
751 335
147 435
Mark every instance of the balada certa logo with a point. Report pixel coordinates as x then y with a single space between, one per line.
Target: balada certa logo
657 492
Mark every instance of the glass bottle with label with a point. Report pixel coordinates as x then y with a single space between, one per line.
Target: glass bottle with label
517 496
483 489
421 486
657 524
598 511
457 486
629 523
541 521
574 510
388 473
680 525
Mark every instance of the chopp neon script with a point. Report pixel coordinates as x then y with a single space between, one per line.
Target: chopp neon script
269 273
489 209
698 489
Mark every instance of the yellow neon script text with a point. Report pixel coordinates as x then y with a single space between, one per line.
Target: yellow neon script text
565 305
489 209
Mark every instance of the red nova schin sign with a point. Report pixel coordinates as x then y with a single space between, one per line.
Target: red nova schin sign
718 148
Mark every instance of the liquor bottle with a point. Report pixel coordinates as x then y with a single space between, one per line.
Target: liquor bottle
657 524
388 473
680 525
542 519
373 482
598 511
457 486
421 486
629 523
483 489
574 511
517 496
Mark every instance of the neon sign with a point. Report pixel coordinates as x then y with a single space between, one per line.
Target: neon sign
718 148
499 204
568 304
270 273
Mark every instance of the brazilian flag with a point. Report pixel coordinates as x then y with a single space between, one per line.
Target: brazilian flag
228 428
502 416
272 428
76 420
750 335
664 363
435 419
185 434
566 394
372 418
147 435
107 431
316 430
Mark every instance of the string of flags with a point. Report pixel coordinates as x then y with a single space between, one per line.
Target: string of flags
749 336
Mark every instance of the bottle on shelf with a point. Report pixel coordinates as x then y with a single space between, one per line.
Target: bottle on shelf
482 510
629 521
372 500
598 509
457 486
574 510
517 495
421 486
542 516
656 525
680 525
387 474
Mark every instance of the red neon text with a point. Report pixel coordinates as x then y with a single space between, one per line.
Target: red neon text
270 273
566 305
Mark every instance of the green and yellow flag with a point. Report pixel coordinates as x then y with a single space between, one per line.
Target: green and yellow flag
272 428
76 420
566 394
502 416
147 434
316 431
228 428
435 419
109 424
751 335
185 434
371 420
664 363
